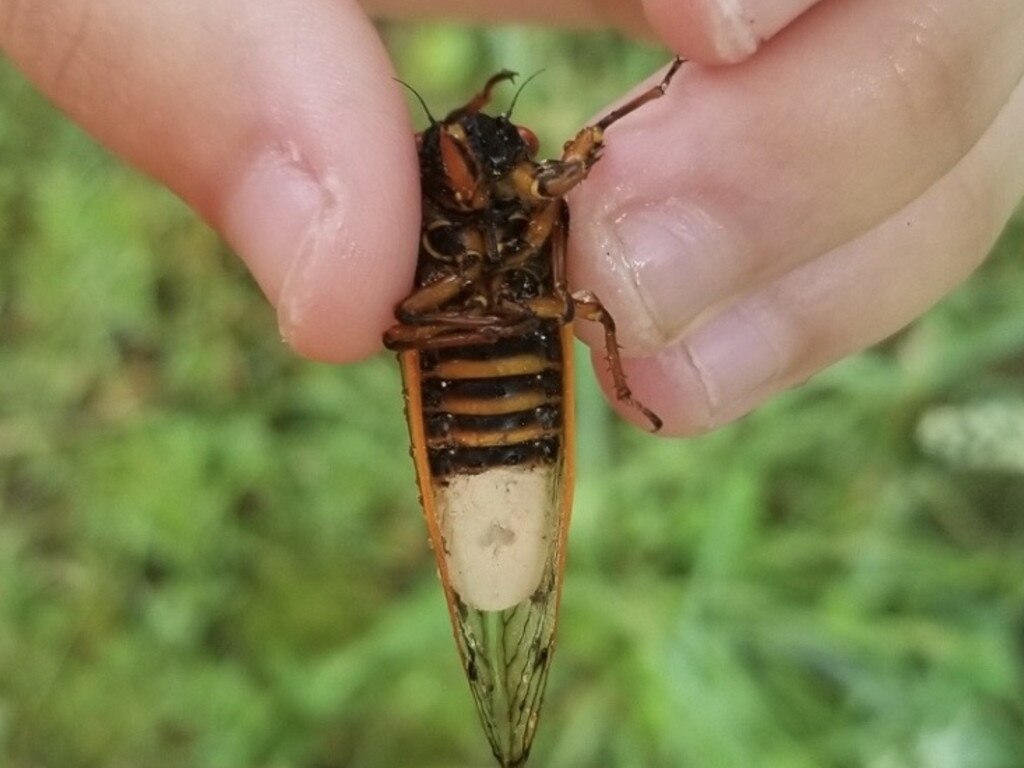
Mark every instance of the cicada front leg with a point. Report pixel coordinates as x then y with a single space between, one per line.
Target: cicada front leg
556 178
480 100
649 95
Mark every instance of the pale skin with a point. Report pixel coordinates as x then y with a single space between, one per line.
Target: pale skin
822 175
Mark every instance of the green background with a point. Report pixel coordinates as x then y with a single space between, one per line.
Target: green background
211 553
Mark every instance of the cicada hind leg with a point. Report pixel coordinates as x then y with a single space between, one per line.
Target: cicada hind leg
563 306
591 308
555 180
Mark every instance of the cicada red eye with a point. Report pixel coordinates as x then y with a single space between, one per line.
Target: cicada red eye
529 138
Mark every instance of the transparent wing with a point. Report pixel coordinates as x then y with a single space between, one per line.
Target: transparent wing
507 653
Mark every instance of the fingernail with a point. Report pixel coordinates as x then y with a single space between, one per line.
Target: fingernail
739 29
268 217
682 259
735 356
734 34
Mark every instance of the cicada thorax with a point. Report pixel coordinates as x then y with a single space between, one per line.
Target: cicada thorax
466 244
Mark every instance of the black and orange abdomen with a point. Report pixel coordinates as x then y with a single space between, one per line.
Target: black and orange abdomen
493 405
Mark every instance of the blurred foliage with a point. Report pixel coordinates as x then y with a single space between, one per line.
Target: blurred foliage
211 554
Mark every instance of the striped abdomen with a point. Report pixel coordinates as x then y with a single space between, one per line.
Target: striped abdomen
493 405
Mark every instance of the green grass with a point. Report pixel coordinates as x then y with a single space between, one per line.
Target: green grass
206 559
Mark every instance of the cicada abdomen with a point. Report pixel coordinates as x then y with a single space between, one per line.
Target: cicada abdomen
493 449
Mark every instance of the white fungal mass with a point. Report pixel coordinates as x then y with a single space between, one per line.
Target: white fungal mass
498 528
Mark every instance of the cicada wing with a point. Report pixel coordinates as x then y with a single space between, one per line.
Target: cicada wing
503 608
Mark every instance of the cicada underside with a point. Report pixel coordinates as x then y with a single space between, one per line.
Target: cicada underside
485 346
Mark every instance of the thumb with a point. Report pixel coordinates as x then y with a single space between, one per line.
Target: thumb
278 122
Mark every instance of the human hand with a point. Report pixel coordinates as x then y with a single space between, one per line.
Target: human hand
764 220
758 223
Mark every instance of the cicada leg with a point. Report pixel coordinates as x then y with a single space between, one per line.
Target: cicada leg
454 330
423 302
649 95
562 305
590 308
481 99
556 178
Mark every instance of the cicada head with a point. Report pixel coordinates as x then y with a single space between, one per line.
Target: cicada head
465 156
462 157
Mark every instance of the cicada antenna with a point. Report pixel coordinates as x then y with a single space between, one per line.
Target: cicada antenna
508 112
418 98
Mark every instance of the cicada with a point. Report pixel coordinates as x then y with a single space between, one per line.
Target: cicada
485 344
